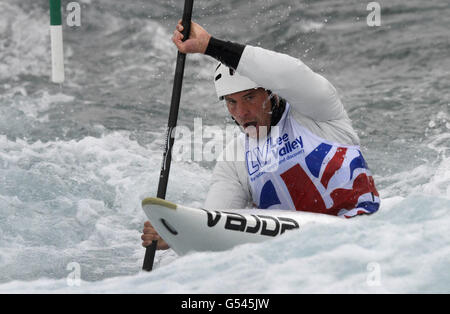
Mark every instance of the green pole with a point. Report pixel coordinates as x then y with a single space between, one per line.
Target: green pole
55 12
56 37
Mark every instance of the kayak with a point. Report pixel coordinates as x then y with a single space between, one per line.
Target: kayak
188 229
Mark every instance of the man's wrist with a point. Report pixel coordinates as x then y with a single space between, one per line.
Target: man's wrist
207 44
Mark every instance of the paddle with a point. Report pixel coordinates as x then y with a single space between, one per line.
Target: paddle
173 117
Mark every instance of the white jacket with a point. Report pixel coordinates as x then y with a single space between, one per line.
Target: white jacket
315 105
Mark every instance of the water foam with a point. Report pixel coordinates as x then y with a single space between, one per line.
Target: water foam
63 200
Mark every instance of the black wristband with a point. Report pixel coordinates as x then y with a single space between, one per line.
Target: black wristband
227 52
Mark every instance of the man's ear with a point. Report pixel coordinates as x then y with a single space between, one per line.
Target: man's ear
274 100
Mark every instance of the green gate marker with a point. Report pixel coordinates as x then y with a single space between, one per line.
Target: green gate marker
56 37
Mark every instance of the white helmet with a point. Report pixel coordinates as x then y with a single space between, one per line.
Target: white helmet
227 81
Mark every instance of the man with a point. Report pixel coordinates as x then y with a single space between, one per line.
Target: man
298 150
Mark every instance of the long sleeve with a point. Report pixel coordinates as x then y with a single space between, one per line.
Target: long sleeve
226 191
229 188
308 92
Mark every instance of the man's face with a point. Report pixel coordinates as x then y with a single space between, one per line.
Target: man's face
252 110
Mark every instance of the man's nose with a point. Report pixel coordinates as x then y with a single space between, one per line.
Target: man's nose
241 110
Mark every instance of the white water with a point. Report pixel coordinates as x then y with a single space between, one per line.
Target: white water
403 248
76 160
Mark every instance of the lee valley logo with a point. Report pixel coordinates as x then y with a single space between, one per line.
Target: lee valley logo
266 157
259 224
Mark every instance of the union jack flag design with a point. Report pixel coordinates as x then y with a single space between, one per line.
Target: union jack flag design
320 177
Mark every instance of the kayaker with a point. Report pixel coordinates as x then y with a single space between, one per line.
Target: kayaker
298 150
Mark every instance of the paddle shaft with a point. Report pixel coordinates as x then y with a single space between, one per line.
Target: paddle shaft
173 118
